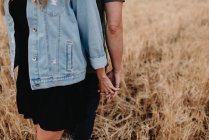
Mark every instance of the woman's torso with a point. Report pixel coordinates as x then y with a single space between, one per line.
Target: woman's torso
59 37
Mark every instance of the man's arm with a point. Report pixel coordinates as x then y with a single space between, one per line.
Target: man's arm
114 33
91 36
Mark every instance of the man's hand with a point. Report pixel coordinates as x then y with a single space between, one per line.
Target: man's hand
115 77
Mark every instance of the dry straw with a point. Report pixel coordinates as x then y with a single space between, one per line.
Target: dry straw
165 83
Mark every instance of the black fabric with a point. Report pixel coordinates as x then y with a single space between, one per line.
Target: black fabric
18 12
63 107
70 107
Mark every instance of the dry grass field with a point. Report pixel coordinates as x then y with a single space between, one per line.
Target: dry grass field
165 81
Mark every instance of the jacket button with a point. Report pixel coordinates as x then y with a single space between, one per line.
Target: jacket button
34 30
34 58
10 24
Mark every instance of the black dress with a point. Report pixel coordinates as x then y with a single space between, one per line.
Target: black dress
55 108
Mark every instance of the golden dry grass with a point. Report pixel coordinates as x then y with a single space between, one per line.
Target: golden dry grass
165 84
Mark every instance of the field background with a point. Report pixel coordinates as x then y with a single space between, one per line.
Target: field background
165 81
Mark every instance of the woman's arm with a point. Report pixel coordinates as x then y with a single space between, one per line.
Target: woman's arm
114 32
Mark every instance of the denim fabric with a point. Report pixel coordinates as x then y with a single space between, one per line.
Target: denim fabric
62 36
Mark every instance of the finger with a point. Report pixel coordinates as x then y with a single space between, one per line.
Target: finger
117 85
108 95
116 93
102 93
112 87
111 91
115 88
106 92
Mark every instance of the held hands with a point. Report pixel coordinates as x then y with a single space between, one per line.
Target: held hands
106 85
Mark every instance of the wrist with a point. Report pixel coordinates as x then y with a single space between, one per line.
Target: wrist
117 70
101 73
101 77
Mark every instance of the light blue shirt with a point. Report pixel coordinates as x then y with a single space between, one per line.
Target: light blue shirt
62 36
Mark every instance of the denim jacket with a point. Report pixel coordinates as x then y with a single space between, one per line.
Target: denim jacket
62 36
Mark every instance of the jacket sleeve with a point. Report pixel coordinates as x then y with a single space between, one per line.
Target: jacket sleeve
90 29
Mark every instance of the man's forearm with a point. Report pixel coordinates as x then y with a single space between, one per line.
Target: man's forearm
114 32
115 47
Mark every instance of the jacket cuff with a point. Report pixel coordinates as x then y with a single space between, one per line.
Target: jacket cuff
98 62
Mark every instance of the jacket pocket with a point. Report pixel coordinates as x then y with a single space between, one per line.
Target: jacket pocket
69 63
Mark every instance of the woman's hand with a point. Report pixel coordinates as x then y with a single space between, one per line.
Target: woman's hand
105 85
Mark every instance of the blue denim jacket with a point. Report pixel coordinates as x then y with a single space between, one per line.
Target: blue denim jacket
62 36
